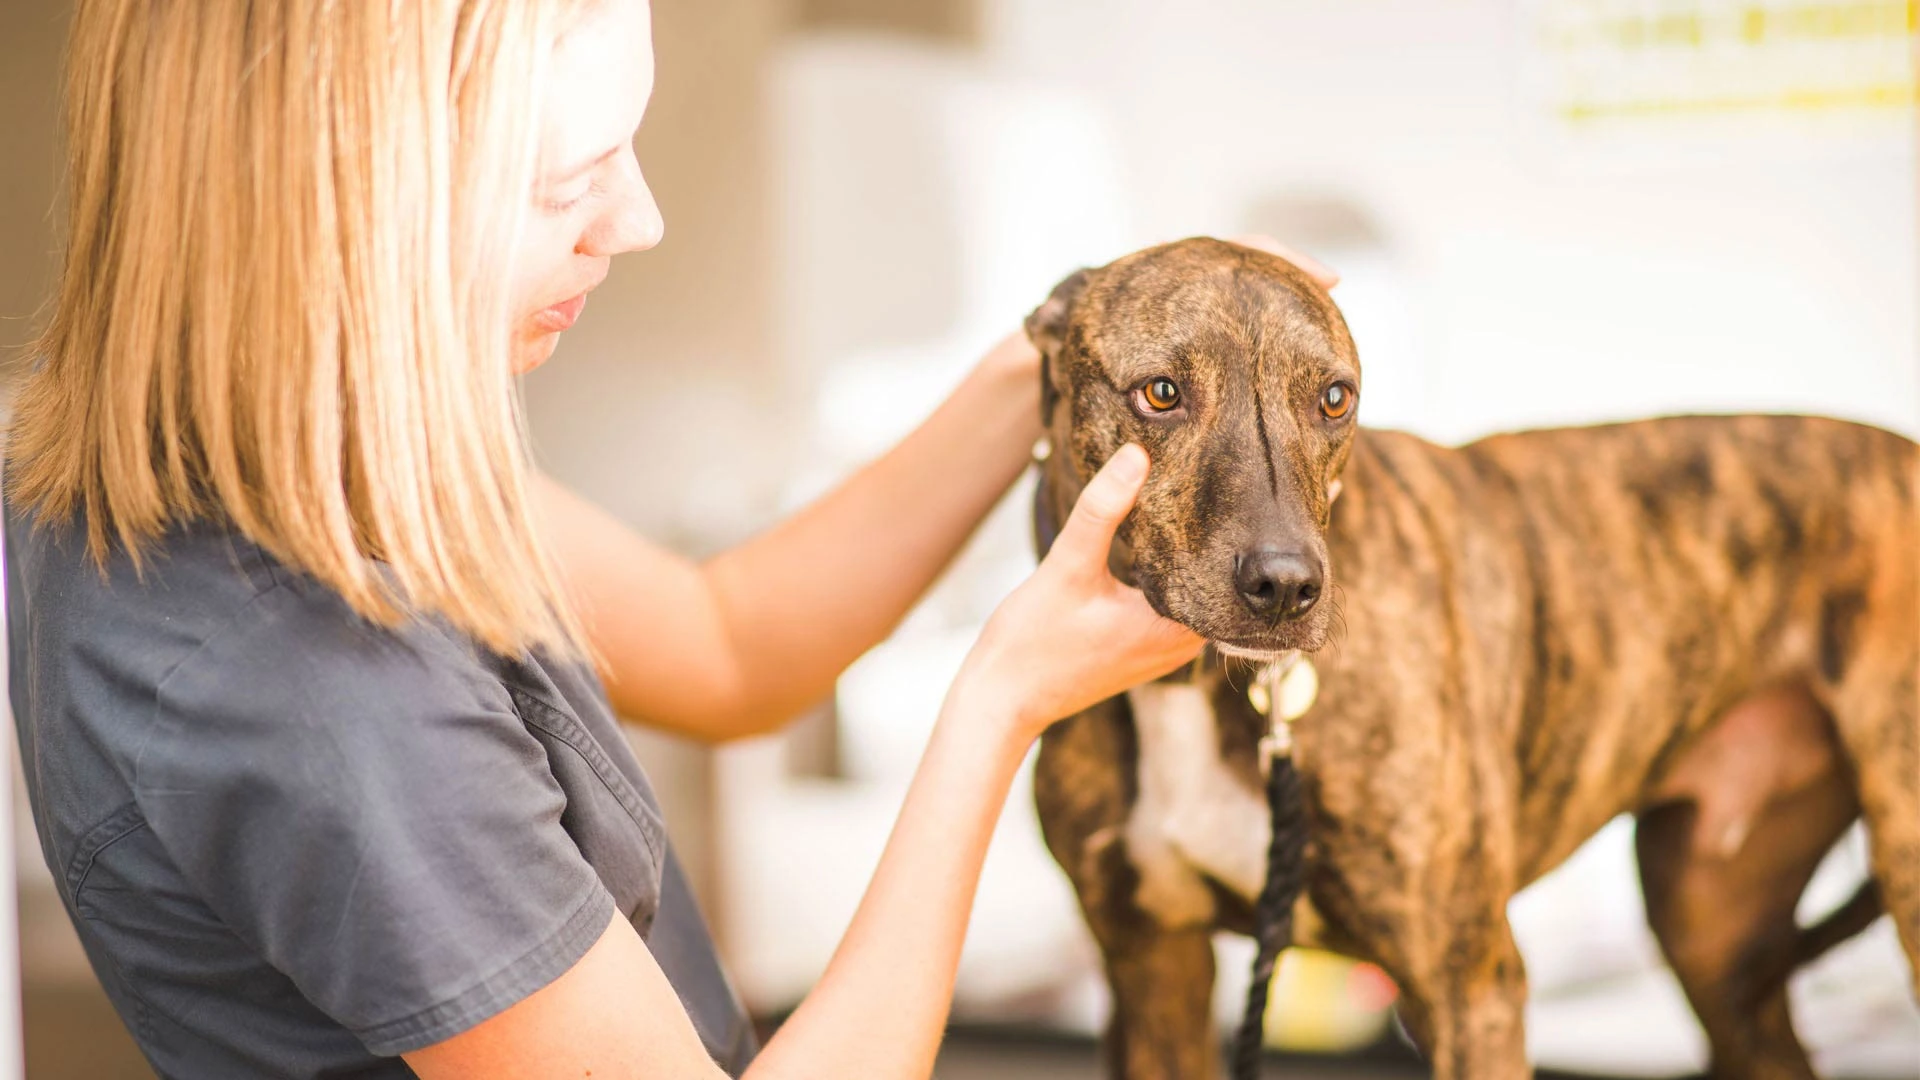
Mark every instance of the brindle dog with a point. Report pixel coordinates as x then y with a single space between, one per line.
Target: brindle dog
1711 622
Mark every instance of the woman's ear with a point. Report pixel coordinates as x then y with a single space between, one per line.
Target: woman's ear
1047 329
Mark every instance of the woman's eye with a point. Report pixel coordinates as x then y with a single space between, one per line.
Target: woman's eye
561 203
1159 395
1336 401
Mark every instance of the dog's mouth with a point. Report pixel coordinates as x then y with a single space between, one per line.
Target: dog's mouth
1308 635
1263 655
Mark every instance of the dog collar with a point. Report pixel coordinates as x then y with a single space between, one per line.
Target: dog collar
1282 692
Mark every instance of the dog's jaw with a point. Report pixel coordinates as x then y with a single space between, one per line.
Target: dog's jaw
1258 656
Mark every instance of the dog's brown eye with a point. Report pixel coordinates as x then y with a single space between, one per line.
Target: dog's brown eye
1160 394
1337 401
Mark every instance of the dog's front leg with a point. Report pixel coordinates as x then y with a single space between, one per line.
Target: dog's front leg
1162 1026
1467 1010
1160 968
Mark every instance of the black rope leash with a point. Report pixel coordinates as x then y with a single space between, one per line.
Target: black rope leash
1286 866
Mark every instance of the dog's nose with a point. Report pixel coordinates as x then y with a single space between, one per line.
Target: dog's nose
1272 582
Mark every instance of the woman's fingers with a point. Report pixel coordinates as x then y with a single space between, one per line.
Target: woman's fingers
1314 268
1170 643
1015 353
1036 647
1103 504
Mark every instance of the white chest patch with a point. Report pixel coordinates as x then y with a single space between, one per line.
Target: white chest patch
1193 816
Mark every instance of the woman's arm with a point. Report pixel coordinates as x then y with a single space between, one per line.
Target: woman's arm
879 1011
743 642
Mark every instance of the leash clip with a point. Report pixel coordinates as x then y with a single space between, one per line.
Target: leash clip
1282 691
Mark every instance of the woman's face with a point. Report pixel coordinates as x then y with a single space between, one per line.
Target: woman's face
590 202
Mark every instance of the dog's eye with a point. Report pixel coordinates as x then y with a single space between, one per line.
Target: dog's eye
1337 401
1159 395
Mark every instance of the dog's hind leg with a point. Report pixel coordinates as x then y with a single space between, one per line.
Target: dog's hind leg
1869 663
1727 926
1893 835
1881 728
1752 809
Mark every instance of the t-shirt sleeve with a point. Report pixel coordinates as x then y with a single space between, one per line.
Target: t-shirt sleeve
368 811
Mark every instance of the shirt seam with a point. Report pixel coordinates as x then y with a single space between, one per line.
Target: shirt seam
214 636
122 823
610 778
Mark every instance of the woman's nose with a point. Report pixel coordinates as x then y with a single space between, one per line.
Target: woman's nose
631 222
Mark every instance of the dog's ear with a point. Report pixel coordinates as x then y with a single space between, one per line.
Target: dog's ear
1047 326
1047 329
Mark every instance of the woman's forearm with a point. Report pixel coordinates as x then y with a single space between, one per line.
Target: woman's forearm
749 639
803 600
881 1007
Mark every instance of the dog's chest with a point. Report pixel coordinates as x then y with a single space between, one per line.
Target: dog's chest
1193 817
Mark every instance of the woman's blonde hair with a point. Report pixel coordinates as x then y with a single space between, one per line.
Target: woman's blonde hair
285 296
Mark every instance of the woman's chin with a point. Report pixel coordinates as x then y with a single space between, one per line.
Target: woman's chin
532 350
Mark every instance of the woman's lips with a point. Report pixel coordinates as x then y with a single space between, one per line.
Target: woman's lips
554 319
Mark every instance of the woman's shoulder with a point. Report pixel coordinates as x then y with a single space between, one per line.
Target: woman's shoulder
316 796
205 612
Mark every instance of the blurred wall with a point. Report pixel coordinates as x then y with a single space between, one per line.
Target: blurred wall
1555 271
945 20
31 33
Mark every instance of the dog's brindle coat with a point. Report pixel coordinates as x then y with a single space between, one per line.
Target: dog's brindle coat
1712 622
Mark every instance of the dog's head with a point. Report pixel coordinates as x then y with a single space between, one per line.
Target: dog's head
1236 372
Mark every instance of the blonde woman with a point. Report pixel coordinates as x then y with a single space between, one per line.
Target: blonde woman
303 655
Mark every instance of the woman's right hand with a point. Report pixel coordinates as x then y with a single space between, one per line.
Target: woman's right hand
1071 634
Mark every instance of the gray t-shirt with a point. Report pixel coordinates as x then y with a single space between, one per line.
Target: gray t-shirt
298 845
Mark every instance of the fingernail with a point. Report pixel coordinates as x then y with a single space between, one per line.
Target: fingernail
1315 268
1129 463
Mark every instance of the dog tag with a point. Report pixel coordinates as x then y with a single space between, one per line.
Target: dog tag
1299 687
1259 697
1290 684
1283 691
